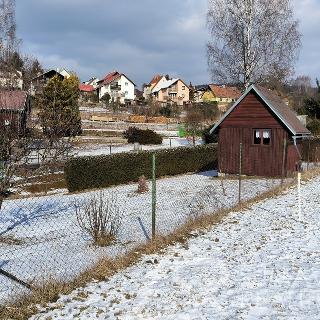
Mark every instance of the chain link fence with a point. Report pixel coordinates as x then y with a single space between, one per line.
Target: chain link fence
58 236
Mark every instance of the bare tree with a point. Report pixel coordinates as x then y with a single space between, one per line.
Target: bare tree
9 45
251 40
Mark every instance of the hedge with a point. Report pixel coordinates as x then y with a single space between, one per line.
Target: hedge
103 171
145 137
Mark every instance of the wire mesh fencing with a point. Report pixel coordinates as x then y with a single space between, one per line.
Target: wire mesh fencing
58 236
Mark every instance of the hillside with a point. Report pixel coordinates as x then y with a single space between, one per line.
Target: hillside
259 263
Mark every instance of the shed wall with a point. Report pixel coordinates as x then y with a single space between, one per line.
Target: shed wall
258 160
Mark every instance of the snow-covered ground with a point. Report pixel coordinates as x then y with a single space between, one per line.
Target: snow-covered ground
262 263
40 237
104 149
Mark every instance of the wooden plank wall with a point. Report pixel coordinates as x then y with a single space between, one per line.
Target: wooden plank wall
259 160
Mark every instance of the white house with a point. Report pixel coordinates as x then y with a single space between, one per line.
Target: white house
66 74
119 87
94 81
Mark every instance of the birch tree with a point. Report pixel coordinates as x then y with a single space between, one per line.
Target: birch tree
251 40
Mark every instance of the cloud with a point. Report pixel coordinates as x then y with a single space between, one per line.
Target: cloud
139 38
308 13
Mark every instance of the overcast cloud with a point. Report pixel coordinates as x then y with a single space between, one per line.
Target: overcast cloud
140 37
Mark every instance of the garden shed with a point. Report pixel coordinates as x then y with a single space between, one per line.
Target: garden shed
265 129
15 106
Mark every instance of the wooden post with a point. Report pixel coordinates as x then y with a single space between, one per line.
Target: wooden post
110 146
284 152
154 196
170 142
240 172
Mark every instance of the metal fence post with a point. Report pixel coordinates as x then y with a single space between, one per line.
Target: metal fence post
154 195
240 171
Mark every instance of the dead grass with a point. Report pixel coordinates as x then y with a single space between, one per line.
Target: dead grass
50 291
11 240
45 183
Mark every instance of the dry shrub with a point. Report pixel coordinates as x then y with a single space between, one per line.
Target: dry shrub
142 185
100 217
28 305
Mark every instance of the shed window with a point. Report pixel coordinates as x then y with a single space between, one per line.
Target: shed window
262 136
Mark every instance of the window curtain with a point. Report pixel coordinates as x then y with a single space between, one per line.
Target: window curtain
266 134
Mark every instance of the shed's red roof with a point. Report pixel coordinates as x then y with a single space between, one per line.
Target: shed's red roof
13 100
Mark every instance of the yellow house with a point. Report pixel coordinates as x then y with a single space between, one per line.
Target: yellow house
222 94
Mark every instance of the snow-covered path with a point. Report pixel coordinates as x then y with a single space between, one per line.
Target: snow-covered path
261 263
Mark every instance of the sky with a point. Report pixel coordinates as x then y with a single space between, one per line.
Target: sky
140 38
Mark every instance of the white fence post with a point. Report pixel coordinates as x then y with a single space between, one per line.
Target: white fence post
299 195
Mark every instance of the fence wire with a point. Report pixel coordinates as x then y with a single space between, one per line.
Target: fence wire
41 238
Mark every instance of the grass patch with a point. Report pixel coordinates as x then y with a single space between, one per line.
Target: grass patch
26 306
45 183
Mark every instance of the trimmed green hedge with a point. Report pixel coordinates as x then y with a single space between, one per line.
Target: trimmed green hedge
104 171
133 134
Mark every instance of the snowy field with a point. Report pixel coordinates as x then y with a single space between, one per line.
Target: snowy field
104 149
262 263
40 237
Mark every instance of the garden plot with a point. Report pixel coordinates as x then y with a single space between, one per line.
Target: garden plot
40 237
106 149
261 263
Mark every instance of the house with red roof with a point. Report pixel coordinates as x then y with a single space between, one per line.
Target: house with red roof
88 92
15 106
223 95
118 86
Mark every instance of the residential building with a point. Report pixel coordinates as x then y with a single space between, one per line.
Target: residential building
41 80
268 131
223 95
147 90
93 82
199 91
118 86
66 74
88 92
171 91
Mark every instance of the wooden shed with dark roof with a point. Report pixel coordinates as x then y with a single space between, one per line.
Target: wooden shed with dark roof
15 106
267 129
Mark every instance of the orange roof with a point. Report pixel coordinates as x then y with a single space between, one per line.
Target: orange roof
111 76
86 87
223 91
155 79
